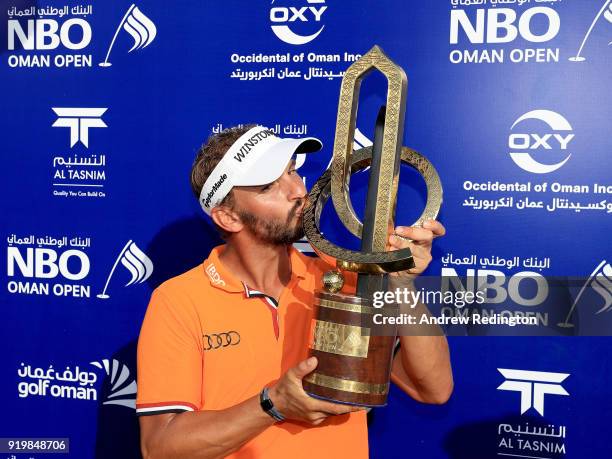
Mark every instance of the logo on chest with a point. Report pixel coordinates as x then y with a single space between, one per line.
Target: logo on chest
215 341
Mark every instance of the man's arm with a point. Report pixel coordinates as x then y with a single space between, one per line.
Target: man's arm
422 368
215 434
202 434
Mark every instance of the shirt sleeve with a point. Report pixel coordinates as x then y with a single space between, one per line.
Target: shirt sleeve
169 358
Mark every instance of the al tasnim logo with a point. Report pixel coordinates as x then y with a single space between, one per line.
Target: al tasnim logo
533 385
79 121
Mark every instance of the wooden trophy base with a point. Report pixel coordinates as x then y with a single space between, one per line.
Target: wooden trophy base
353 367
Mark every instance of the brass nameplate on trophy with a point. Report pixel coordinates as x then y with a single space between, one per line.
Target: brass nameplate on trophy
341 339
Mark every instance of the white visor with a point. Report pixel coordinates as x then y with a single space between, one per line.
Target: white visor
258 157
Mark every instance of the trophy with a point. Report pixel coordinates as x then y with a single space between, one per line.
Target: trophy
355 365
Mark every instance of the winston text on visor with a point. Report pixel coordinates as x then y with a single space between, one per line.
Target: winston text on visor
249 144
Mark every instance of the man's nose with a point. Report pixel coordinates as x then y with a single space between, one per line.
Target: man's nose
295 187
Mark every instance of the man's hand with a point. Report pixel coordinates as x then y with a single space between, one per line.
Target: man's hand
418 240
294 403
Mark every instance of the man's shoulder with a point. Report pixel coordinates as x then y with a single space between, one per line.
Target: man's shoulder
188 283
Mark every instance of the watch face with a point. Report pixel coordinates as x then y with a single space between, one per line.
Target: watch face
267 404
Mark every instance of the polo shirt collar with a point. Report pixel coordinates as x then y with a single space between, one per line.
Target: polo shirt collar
222 278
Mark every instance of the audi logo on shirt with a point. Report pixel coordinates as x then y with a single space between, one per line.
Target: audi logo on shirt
219 340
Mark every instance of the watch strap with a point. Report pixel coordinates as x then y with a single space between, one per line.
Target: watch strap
268 406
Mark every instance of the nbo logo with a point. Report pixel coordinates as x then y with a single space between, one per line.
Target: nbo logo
534 141
43 34
44 264
292 14
490 280
500 26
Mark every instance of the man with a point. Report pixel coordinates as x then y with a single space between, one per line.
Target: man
223 347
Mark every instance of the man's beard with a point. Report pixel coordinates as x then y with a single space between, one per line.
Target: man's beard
275 232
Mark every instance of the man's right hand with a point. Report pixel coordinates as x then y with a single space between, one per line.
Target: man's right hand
294 403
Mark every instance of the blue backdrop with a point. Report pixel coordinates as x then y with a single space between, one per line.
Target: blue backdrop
106 103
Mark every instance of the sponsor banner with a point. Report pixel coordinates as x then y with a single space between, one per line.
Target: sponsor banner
296 24
79 382
62 35
539 143
52 265
525 436
516 32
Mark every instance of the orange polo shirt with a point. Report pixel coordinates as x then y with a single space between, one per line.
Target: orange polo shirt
208 342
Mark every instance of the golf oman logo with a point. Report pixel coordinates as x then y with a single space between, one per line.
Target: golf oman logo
606 12
135 261
530 142
79 120
533 385
123 388
139 26
284 18
600 282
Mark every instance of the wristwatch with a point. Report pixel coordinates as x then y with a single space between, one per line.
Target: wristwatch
268 406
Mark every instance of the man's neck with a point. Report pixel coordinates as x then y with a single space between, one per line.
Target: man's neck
263 267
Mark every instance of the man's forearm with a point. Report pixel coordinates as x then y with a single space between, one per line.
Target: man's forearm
424 355
426 362
209 434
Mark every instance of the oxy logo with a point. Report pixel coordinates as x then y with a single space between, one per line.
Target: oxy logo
606 12
123 386
79 120
533 385
522 143
139 26
135 261
284 20
498 25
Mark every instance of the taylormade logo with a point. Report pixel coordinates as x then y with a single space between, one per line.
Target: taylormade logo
249 144
214 189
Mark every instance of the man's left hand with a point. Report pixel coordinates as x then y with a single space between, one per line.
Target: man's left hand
418 240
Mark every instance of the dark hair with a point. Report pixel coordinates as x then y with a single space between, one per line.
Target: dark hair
209 155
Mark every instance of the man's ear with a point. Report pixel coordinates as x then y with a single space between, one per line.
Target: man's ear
226 219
